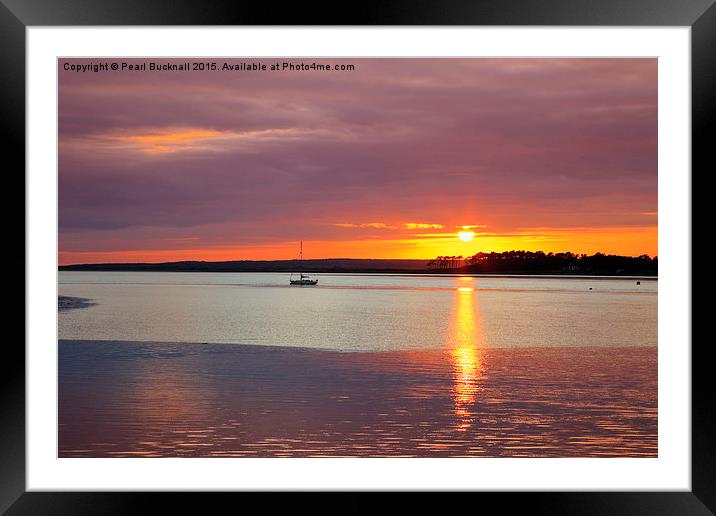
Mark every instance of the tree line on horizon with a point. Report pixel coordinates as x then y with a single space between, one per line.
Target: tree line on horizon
539 261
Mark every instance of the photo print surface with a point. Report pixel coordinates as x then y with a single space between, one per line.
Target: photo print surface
361 257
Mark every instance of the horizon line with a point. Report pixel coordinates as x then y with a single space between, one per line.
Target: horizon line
338 258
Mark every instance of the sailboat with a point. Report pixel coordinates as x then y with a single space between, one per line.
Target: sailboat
303 279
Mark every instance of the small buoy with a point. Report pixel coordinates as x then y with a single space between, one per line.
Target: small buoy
638 282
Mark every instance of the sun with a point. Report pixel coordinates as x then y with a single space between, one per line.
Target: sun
465 234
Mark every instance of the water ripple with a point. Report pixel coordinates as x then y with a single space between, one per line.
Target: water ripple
202 400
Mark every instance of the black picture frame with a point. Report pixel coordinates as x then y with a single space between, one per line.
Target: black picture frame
17 15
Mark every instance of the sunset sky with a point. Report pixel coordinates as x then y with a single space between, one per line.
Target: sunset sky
389 160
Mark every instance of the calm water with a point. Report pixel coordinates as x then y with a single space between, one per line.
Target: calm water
359 313
202 364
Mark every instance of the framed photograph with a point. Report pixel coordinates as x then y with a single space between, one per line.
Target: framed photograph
432 250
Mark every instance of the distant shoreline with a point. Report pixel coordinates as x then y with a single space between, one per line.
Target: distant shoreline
342 266
428 274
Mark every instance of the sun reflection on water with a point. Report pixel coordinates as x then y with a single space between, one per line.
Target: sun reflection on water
466 355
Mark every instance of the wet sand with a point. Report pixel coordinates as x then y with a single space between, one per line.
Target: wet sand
125 399
72 303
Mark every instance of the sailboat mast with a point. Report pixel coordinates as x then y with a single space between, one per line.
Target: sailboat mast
300 260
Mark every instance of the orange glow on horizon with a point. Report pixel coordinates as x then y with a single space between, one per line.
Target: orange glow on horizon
627 241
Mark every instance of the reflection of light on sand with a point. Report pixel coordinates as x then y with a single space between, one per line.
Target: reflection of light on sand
466 355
